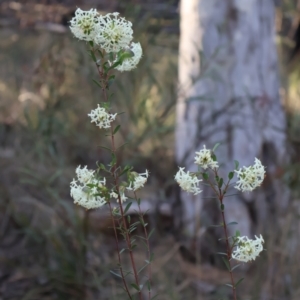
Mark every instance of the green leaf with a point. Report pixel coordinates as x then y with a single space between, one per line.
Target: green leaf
222 253
116 274
135 286
230 175
121 251
238 282
149 285
126 169
220 182
117 129
232 223
97 82
222 207
205 176
226 263
151 232
91 43
127 207
235 267
93 56
237 233
113 159
151 257
129 219
230 285
236 164
215 147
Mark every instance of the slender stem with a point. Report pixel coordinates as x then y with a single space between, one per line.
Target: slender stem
103 81
148 247
119 255
221 194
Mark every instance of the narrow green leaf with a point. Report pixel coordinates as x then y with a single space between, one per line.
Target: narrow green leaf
238 282
220 183
235 267
128 219
117 129
151 257
222 253
91 43
122 250
230 285
116 274
215 147
127 207
236 164
230 175
237 233
205 176
97 82
135 286
226 263
222 207
93 56
232 223
149 285
151 232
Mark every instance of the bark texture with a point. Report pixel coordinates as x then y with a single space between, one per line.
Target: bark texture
229 93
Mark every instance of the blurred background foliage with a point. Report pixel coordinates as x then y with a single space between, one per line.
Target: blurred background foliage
51 249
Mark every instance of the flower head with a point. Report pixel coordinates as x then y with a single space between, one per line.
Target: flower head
85 23
138 181
114 33
250 177
247 249
131 62
204 159
84 189
101 117
188 182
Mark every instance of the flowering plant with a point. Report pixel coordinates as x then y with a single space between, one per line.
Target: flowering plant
249 178
111 48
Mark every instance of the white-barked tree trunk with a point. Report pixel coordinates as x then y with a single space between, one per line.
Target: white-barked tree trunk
229 93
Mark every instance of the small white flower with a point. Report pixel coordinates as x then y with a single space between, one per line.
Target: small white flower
85 24
131 63
250 177
203 159
82 193
115 196
139 181
114 33
187 182
247 249
101 117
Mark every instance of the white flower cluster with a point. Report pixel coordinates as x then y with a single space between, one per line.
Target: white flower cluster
204 159
187 182
110 32
82 192
139 181
114 32
101 117
131 62
84 24
248 249
250 177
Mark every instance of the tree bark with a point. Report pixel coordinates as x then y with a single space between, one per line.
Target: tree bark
229 93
